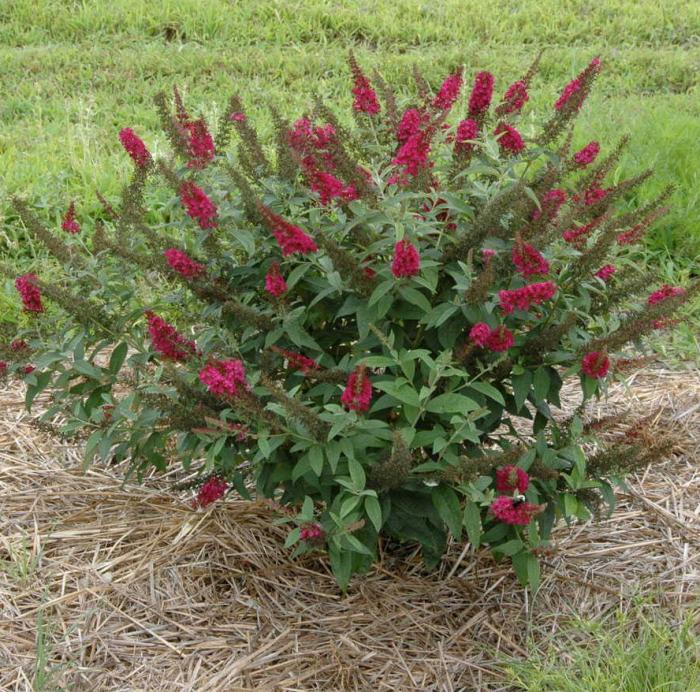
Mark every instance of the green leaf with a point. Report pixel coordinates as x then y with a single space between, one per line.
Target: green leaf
488 390
87 369
374 511
292 537
451 403
509 547
541 383
380 291
357 474
341 564
521 388
307 509
116 360
33 390
446 503
415 297
472 522
316 459
91 447
440 314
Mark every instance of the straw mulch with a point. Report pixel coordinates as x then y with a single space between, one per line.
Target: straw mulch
126 588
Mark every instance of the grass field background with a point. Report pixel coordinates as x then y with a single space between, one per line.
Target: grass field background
75 72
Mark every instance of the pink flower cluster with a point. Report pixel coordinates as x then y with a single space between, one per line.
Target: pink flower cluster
514 99
274 281
312 532
365 97
482 93
316 142
509 139
291 238
633 235
29 292
575 235
69 223
528 260
182 264
594 195
200 144
575 86
211 490
406 260
606 272
237 117
19 345
552 202
588 154
223 377
523 298
297 361
511 478
167 340
328 186
135 147
467 131
595 364
514 511
413 156
357 394
449 92
197 205
664 293
3 367
498 340
411 122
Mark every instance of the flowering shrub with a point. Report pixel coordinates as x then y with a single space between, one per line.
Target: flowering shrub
368 326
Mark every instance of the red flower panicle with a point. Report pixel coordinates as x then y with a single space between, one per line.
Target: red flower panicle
312 532
551 204
182 264
606 272
197 205
480 333
296 361
467 131
514 99
410 124
574 92
274 281
357 395
167 340
412 157
211 490
482 92
200 144
18 345
29 292
594 195
28 369
509 140
498 340
578 235
528 260
291 238
595 364
406 260
135 147
69 223
223 377
588 154
523 298
449 92
238 117
512 511
365 97
3 367
664 293
511 478
329 187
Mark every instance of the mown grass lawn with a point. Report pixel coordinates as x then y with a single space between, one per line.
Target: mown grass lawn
75 72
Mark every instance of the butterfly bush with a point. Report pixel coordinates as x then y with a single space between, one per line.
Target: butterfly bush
368 324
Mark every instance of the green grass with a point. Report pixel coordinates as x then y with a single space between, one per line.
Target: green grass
75 72
626 653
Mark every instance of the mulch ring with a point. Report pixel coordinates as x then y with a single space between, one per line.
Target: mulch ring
111 587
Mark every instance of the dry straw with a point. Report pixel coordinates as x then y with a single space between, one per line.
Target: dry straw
112 587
